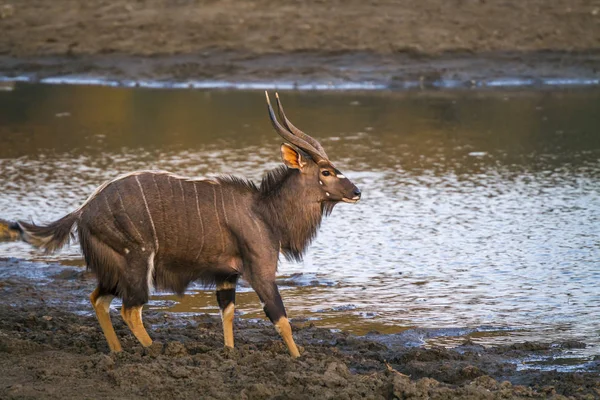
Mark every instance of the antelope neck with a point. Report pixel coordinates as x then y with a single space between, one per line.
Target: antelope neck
291 209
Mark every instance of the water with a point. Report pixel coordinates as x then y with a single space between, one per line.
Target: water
480 211
376 78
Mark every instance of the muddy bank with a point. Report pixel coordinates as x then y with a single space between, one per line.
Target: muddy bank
386 43
52 347
41 28
315 70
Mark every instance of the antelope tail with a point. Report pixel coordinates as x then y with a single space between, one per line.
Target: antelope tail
49 237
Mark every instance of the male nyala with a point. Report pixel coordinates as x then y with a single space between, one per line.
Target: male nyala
154 229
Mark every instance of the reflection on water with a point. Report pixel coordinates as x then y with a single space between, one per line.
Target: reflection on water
480 211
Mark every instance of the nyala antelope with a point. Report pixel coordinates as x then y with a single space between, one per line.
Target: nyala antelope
154 229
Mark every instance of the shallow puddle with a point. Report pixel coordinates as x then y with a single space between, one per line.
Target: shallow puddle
480 213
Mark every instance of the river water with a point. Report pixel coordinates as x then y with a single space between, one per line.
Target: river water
480 214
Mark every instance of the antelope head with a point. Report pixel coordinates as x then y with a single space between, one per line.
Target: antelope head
305 154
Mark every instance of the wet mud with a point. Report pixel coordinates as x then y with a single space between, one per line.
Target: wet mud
353 41
51 347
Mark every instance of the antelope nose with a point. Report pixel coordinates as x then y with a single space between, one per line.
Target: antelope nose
356 193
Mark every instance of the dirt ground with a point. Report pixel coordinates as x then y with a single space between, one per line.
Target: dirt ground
51 347
352 40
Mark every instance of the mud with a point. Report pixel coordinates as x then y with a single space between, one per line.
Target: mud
381 41
51 347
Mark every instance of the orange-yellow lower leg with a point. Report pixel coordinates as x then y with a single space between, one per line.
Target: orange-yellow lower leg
285 330
101 305
133 319
227 318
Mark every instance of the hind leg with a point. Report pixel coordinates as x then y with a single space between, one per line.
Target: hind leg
101 302
136 284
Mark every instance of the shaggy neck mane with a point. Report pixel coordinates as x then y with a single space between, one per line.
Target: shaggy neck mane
291 211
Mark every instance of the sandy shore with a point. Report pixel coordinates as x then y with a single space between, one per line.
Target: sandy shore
352 41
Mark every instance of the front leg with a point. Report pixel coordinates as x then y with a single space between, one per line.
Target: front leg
260 267
275 311
226 300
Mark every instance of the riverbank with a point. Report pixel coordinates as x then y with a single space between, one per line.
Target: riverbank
52 347
387 45
313 71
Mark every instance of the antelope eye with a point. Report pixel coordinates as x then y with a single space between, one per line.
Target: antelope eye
325 173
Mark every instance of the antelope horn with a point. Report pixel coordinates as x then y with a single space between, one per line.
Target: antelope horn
287 135
297 132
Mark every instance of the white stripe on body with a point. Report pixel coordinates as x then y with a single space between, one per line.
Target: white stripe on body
135 173
223 205
187 241
239 218
148 211
130 221
218 220
121 236
201 222
255 224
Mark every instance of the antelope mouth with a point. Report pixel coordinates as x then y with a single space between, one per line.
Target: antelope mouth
355 199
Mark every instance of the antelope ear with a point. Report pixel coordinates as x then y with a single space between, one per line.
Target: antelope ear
291 157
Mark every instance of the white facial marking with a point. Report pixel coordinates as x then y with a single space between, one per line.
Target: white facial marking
356 198
340 176
126 250
321 182
327 193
